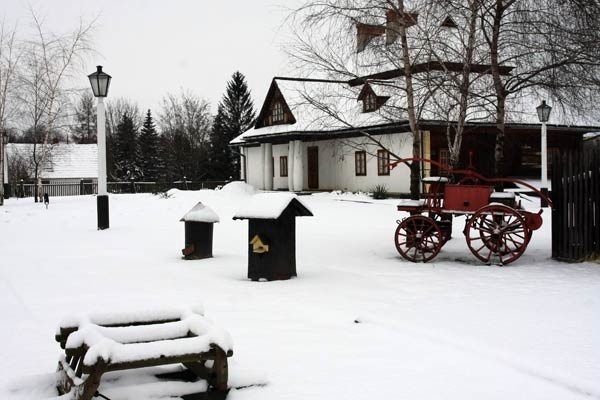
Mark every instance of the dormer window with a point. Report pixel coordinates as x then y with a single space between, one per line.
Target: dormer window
275 109
449 23
277 114
370 103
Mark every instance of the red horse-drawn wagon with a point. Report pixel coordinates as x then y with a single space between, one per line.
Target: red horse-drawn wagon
497 228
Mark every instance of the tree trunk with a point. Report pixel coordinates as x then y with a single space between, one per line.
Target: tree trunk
35 187
499 170
500 90
415 167
464 87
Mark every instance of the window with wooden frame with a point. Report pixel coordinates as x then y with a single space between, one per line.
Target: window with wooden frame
370 103
444 160
278 114
383 162
360 163
283 166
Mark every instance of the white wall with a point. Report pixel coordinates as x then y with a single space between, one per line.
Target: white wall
336 164
279 182
254 166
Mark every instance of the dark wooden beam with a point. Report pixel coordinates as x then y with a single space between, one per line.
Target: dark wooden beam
429 66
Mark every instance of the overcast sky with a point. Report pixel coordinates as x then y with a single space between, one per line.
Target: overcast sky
152 47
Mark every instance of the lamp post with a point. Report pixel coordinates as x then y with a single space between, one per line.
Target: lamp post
543 111
3 142
100 82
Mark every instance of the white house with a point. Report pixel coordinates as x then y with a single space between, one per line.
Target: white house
318 135
65 163
295 146
314 134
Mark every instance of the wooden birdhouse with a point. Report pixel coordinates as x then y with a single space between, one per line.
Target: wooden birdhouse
272 234
199 223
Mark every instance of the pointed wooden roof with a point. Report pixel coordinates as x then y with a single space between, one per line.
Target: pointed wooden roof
274 94
272 206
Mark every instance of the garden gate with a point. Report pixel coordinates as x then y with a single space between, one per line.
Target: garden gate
576 212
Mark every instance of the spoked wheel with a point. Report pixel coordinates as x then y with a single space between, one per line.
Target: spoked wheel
497 232
418 238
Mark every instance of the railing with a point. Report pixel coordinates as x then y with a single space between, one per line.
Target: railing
86 187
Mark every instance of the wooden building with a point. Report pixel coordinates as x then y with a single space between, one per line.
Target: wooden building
312 135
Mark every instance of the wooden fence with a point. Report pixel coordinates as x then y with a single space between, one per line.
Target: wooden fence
87 188
576 212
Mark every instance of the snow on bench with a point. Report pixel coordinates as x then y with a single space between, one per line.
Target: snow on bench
101 343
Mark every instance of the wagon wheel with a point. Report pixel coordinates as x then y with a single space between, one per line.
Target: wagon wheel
497 230
418 238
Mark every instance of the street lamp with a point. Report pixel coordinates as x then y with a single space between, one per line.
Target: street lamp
543 111
100 82
3 142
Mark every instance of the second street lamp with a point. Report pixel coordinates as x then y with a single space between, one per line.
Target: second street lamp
543 111
100 82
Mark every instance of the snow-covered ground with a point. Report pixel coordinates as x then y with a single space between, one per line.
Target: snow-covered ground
357 323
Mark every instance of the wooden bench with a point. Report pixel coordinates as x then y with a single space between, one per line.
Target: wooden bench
99 344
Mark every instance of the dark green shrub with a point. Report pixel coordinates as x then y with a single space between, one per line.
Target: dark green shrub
379 192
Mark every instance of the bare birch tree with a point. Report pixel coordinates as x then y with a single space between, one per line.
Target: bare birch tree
184 121
52 60
418 46
8 63
553 45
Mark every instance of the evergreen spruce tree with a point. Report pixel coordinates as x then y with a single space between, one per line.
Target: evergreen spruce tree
149 157
126 154
218 155
235 115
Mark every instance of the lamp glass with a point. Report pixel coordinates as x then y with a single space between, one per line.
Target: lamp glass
543 111
100 82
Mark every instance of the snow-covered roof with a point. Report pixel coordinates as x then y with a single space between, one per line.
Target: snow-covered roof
591 135
327 107
200 213
271 206
63 160
314 105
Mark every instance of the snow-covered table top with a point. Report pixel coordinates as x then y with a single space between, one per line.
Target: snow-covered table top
110 338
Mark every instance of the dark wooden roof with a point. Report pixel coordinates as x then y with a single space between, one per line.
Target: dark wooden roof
294 209
367 89
266 107
297 209
403 126
449 23
429 66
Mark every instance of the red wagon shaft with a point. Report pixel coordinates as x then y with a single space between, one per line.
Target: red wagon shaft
471 174
497 229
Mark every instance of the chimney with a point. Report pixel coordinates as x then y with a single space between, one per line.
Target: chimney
365 33
393 24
